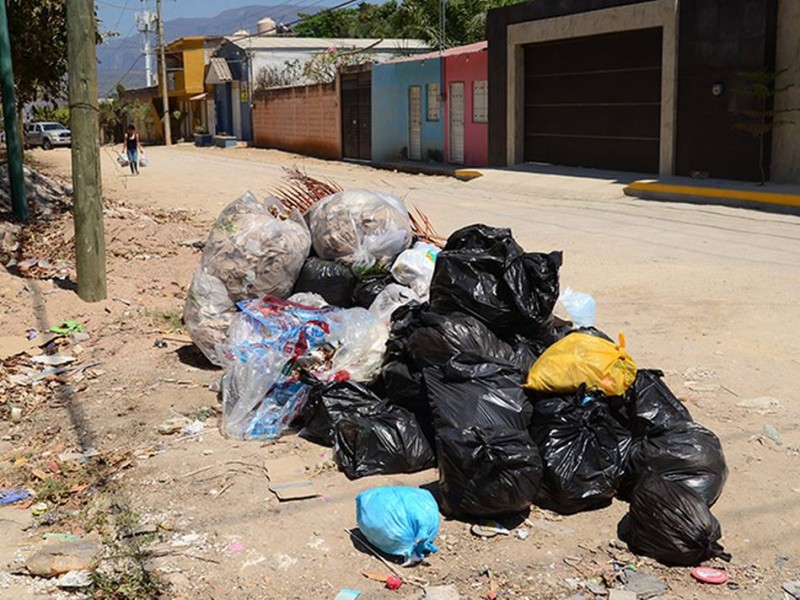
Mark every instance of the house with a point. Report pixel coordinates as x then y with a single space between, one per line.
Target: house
432 107
249 57
654 86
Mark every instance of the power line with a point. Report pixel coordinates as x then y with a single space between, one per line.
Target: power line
296 21
121 14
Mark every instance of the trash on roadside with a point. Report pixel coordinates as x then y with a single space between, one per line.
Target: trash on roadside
328 402
581 359
392 297
414 268
67 327
671 523
13 495
580 307
368 287
347 594
645 586
710 575
392 582
331 280
173 425
254 249
401 521
655 408
488 529
39 509
584 450
363 229
288 480
487 471
55 558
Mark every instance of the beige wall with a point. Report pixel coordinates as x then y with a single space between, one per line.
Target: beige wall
304 119
659 13
786 138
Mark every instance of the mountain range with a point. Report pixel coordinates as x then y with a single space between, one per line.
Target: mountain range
120 60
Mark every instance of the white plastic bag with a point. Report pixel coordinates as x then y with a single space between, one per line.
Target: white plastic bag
363 229
390 299
254 249
581 307
414 268
143 160
122 159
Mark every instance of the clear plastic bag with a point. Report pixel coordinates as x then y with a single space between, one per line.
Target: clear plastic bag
581 307
390 299
273 342
414 268
254 249
363 229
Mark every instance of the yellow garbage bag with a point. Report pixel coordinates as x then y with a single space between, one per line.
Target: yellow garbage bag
582 358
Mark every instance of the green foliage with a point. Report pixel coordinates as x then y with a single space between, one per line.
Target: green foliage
141 114
59 114
761 87
320 68
418 19
113 113
290 73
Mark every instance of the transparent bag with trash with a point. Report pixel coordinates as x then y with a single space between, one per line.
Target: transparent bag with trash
580 307
143 160
363 229
255 248
273 343
390 299
122 159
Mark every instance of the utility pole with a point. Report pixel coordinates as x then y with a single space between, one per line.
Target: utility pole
19 204
90 247
164 90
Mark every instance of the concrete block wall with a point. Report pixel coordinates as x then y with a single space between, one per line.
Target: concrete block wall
303 119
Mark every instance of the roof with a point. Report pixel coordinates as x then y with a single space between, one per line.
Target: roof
218 71
457 51
276 42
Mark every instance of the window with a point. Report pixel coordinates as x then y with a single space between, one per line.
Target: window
480 102
433 102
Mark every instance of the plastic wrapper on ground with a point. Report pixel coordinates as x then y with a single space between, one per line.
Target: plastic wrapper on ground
363 229
401 521
672 524
487 471
254 249
583 449
414 268
483 272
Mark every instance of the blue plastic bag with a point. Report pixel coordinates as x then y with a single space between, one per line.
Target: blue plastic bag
403 521
580 306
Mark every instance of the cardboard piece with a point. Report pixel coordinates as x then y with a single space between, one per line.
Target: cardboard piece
13 345
287 479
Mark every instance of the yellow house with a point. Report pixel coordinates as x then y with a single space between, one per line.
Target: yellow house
186 60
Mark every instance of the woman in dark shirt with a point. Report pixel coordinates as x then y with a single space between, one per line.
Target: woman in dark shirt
133 146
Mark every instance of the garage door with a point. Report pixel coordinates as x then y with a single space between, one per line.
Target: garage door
595 101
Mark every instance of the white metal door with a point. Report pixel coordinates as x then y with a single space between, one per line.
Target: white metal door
457 122
415 122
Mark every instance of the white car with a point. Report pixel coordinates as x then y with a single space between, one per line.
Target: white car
47 135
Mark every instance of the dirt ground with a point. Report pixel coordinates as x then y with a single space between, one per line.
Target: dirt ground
707 294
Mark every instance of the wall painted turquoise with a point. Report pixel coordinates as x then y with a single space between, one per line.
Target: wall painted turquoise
390 83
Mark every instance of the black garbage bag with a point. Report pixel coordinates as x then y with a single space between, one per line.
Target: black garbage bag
583 448
331 280
328 402
367 289
687 453
487 471
653 407
672 524
475 391
483 272
385 441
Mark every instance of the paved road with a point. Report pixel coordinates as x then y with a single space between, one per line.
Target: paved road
708 294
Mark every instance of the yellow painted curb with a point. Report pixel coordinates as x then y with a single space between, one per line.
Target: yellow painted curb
467 174
709 192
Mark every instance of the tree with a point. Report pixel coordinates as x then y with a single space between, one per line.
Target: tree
759 122
113 114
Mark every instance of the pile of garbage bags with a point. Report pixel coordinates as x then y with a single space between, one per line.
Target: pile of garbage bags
403 356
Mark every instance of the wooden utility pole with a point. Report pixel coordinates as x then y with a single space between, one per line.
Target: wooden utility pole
90 247
19 204
164 88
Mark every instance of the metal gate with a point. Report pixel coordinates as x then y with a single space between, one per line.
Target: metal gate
457 122
357 115
595 101
415 122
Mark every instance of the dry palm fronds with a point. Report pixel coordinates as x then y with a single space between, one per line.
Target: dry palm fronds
304 191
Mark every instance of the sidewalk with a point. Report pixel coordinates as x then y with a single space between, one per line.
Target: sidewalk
772 197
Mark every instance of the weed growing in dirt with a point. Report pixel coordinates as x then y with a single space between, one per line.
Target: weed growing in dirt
171 319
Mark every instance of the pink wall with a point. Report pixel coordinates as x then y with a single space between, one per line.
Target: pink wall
467 68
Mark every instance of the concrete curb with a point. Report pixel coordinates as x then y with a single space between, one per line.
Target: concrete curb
704 194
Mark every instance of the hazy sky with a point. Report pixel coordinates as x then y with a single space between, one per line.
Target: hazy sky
118 15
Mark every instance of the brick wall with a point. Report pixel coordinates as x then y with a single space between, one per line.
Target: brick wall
303 119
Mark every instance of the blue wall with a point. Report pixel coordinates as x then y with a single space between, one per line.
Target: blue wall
390 83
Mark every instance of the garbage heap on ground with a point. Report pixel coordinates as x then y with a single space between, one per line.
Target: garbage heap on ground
403 356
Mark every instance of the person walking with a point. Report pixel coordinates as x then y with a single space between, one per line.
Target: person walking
133 146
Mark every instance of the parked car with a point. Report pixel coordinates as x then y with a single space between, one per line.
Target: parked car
47 135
